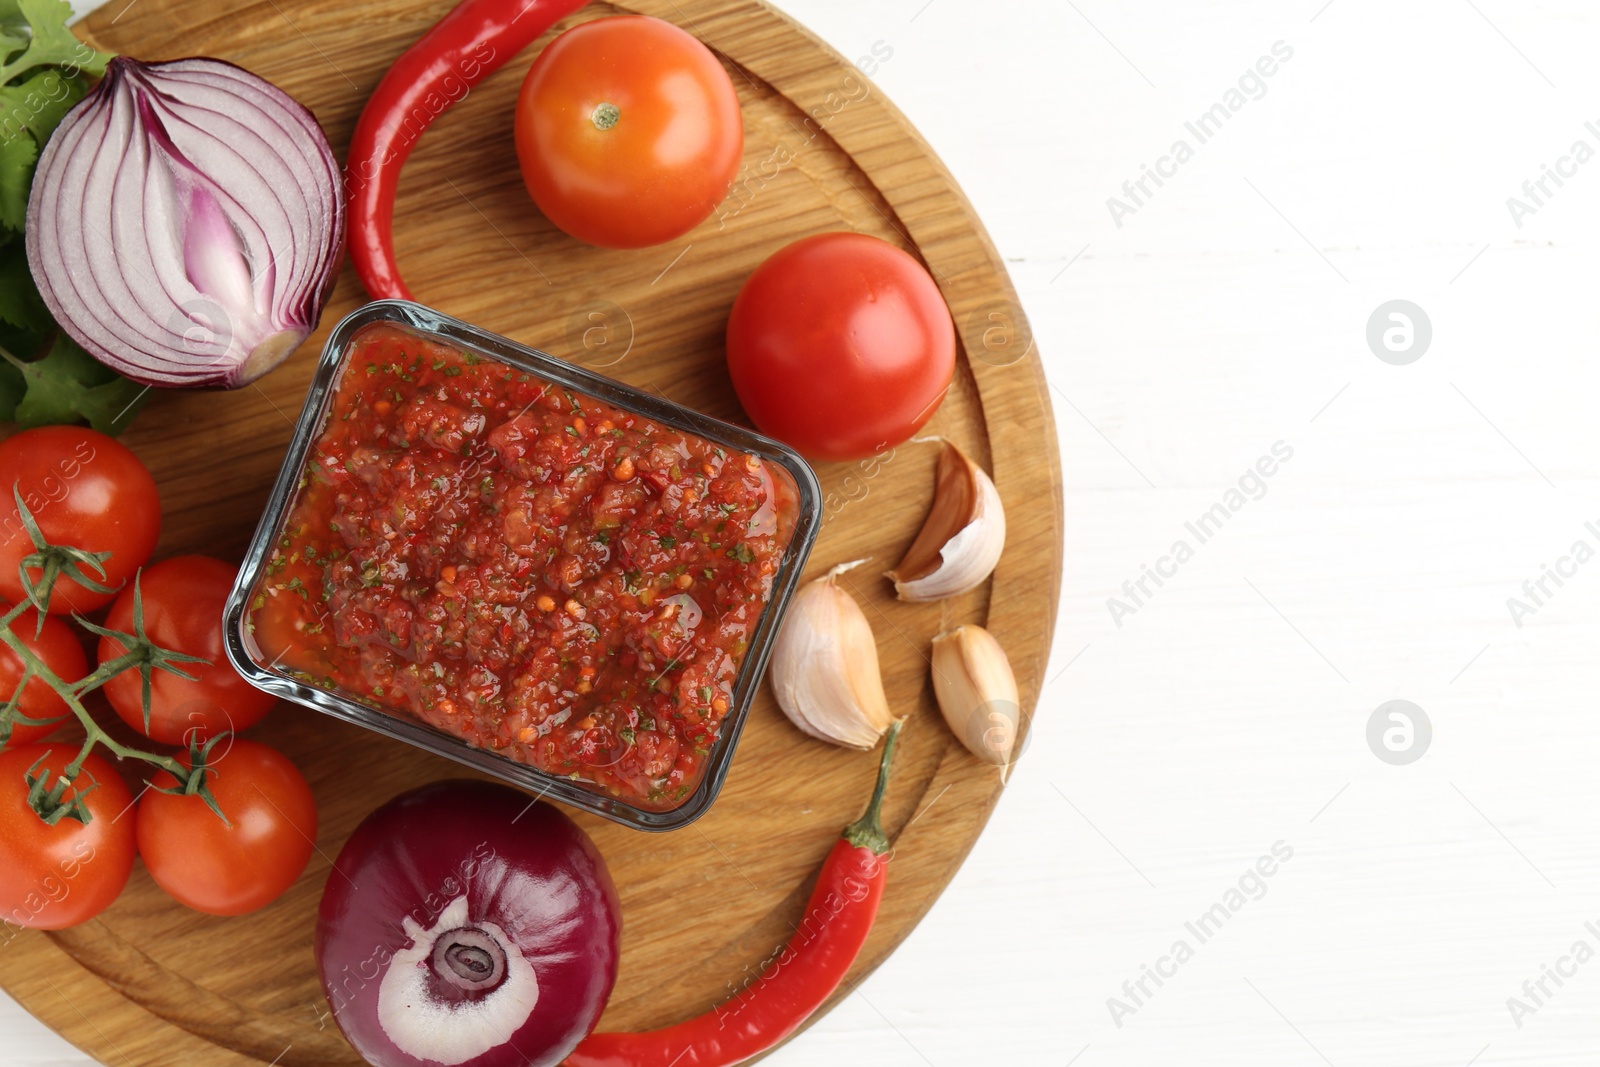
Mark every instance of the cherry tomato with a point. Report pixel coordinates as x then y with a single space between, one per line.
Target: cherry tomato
85 491
57 646
183 601
628 132
219 869
840 345
57 876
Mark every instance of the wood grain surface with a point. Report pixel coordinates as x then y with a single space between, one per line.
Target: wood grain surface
150 982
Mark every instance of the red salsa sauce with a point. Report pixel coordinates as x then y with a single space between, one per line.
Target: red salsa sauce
524 567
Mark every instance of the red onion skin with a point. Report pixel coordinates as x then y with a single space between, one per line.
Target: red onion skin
523 866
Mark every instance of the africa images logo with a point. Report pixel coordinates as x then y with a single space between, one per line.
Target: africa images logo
1251 885
1252 85
1252 485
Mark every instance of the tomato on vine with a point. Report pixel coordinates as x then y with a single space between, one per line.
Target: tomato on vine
246 863
183 598
91 499
65 850
58 650
67 835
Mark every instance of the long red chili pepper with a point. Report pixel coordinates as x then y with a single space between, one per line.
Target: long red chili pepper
796 981
473 41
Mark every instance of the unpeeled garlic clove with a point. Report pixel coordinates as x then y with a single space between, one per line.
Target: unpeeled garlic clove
977 692
961 539
824 666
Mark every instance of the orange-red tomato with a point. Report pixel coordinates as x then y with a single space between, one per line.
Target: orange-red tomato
183 600
224 869
84 490
628 132
840 345
53 877
57 646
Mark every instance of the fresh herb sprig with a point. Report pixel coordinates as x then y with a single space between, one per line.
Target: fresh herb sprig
62 797
45 377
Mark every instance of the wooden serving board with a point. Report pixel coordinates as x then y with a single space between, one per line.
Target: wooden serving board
150 982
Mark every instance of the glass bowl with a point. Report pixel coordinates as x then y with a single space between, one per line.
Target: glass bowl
362 703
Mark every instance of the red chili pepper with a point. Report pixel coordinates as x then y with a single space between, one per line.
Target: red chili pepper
473 41
795 982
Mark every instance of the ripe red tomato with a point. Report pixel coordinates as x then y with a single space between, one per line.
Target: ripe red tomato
840 345
229 870
58 647
85 490
56 876
183 601
628 132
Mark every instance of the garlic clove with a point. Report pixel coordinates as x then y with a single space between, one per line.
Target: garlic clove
977 692
961 539
824 666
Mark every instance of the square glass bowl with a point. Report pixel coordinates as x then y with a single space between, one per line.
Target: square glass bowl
364 707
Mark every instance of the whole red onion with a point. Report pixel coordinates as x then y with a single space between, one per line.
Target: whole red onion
467 924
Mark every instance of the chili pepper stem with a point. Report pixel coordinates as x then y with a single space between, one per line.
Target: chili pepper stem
777 1000
867 831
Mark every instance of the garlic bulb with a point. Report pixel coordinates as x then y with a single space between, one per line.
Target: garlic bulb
824 666
962 537
977 692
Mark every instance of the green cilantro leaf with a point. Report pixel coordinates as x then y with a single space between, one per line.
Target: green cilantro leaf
50 43
38 103
12 387
25 323
20 305
17 155
69 384
13 30
11 43
27 342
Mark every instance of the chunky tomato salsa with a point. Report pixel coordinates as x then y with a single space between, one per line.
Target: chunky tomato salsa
524 567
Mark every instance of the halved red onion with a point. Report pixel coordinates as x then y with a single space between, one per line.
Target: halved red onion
186 223
468 925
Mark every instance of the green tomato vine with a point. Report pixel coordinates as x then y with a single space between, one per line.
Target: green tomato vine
63 798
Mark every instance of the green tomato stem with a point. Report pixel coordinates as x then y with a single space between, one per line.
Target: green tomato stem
141 654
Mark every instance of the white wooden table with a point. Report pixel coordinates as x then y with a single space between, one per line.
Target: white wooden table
1228 713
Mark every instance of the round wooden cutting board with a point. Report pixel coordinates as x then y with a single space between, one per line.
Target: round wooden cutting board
151 983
